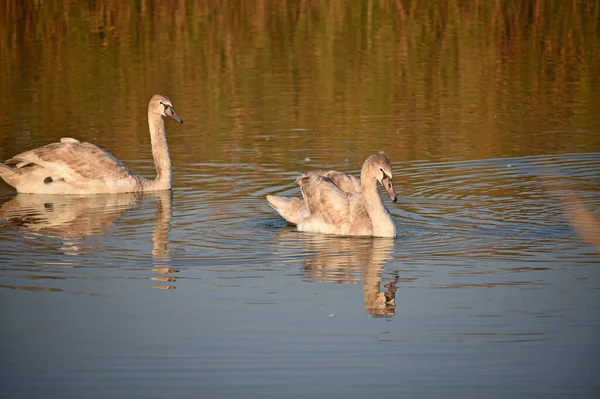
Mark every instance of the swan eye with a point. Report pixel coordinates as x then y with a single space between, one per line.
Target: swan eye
385 176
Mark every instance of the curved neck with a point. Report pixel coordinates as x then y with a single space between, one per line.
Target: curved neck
160 152
383 225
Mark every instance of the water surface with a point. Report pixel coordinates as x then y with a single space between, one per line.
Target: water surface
491 121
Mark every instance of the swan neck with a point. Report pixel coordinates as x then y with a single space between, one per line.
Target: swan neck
160 152
383 225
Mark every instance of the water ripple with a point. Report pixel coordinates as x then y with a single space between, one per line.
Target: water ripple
467 215
471 208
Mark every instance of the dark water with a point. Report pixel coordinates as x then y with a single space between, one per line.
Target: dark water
491 119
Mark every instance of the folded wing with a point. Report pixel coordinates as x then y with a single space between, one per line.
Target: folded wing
71 160
324 199
344 181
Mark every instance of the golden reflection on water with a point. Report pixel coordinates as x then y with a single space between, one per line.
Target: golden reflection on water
324 79
268 88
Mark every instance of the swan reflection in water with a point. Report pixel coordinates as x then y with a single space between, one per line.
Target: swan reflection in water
73 218
342 260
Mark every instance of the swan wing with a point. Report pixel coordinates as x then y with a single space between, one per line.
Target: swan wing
73 161
325 200
346 182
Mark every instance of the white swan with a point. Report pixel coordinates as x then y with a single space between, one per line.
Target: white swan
76 167
338 203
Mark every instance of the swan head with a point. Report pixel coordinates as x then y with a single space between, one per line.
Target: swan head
161 105
380 168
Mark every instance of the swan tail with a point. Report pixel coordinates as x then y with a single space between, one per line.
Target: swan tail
288 208
8 174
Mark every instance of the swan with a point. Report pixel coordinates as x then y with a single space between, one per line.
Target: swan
339 203
76 167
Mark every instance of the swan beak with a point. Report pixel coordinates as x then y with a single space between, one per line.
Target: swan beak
170 112
389 187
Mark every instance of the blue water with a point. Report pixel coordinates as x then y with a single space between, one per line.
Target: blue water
495 294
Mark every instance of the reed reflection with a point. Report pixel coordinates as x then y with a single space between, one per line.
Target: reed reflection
579 216
350 260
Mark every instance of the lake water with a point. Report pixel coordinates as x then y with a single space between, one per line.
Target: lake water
489 113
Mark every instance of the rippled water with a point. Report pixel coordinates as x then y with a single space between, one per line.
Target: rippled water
491 288
487 285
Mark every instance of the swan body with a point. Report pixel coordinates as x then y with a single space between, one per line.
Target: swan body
338 203
76 167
